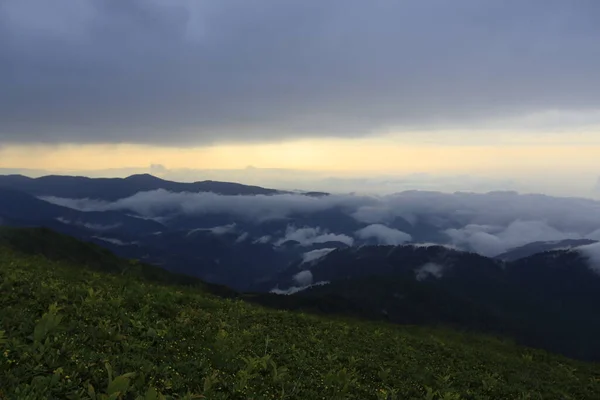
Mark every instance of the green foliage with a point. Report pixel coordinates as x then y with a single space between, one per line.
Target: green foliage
47 324
70 332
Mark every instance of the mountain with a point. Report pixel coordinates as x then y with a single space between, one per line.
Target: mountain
52 246
183 244
548 300
539 247
23 209
540 298
78 322
250 251
361 262
111 189
216 258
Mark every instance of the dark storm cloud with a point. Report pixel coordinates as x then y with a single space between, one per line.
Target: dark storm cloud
177 72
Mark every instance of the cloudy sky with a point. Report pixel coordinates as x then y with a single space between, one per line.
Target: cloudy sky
500 89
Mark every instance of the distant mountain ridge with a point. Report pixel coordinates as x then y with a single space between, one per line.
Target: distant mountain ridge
539 247
22 209
549 299
234 258
318 255
111 189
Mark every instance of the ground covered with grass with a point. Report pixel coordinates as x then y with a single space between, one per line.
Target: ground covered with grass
73 332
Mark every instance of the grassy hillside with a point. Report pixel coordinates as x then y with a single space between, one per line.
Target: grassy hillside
71 330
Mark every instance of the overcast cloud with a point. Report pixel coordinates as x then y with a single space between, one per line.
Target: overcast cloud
180 71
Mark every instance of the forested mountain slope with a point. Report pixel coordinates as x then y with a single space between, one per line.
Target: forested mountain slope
73 328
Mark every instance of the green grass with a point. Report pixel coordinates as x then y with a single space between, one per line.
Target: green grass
71 332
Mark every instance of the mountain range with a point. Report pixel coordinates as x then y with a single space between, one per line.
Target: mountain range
94 325
548 299
117 188
325 259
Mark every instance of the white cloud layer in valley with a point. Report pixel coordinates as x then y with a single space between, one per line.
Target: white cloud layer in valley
383 234
488 223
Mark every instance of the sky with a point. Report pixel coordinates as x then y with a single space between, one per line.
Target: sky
504 94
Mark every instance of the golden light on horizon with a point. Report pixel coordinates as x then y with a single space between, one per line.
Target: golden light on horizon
342 155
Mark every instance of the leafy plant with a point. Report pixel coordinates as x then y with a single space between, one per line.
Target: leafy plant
65 329
47 324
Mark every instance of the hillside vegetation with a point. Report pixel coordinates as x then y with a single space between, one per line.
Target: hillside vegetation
79 323
548 300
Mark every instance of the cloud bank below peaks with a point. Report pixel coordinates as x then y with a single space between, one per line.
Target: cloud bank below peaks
429 270
314 255
592 253
383 234
254 207
303 280
217 230
489 223
308 236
